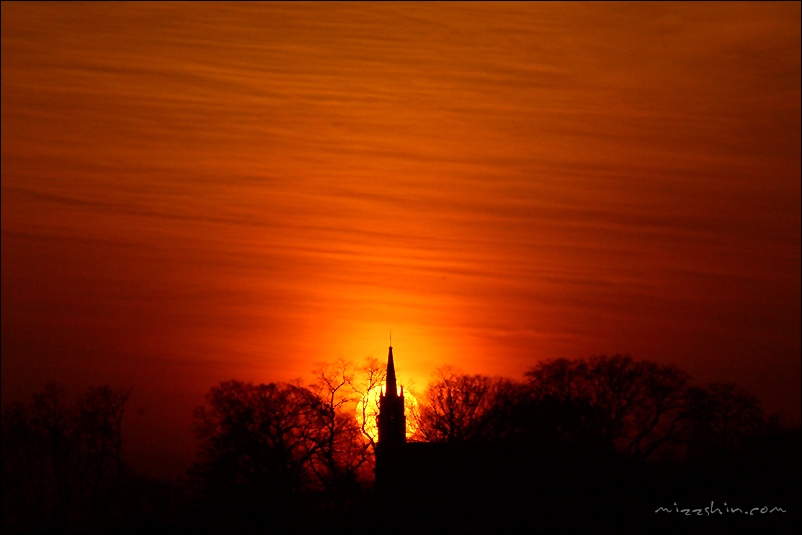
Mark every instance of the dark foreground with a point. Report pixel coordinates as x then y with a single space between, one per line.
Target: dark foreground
467 490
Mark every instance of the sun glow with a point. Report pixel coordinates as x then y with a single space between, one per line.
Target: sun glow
367 412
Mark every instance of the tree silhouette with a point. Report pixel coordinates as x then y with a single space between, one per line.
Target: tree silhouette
266 450
721 416
633 406
373 375
62 460
98 433
257 441
343 456
580 445
459 407
557 410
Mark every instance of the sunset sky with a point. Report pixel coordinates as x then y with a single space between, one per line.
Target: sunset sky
193 193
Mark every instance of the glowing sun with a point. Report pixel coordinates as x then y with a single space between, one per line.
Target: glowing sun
367 411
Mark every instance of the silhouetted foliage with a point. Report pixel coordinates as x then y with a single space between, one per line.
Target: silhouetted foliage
633 406
343 458
273 447
257 441
459 407
721 419
373 376
589 445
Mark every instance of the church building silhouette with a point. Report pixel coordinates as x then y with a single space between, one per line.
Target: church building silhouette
392 424
451 486
479 486
427 467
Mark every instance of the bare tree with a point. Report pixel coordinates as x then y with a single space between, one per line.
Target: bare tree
721 416
342 452
371 376
279 439
634 406
660 411
98 438
459 407
559 378
258 441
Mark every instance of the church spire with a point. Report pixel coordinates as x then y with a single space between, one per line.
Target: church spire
391 420
391 381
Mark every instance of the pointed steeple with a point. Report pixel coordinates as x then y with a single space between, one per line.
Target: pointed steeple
391 382
391 419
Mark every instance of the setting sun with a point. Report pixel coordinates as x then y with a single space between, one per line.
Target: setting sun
367 411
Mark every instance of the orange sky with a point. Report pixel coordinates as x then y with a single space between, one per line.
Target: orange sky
198 192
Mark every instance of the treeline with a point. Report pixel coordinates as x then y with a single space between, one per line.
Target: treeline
628 434
638 409
598 445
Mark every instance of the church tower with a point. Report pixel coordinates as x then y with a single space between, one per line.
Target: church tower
392 421
392 424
